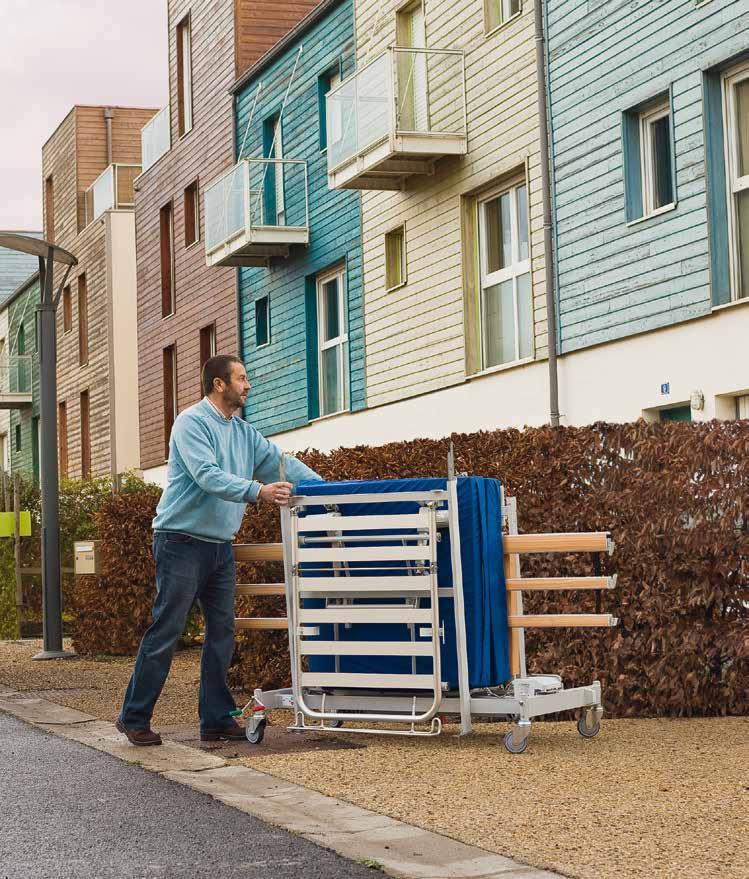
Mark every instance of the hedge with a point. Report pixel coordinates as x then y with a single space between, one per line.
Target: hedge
675 497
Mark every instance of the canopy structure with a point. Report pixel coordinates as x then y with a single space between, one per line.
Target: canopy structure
48 254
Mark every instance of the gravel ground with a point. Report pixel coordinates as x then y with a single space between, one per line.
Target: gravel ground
647 798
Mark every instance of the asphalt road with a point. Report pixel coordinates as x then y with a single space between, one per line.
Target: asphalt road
69 812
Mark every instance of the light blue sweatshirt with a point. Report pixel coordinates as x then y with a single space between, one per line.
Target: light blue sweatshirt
213 466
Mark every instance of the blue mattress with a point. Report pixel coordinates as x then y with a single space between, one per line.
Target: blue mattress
479 503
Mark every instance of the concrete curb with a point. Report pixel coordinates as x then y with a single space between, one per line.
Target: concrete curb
399 849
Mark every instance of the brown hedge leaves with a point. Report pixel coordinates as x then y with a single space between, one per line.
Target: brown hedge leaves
674 496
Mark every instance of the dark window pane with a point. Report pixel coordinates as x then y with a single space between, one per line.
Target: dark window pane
261 321
663 193
332 327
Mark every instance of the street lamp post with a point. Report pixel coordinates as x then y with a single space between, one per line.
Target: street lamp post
48 254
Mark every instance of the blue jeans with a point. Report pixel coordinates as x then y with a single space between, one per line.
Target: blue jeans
187 570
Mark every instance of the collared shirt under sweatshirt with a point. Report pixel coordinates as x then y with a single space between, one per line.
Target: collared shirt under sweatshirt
214 465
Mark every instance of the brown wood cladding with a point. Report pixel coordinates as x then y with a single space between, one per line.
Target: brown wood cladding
261 24
49 209
203 295
73 157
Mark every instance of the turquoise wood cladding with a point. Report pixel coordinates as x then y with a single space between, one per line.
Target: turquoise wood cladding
284 372
617 276
24 423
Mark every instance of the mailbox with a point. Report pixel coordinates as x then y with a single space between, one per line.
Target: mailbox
87 556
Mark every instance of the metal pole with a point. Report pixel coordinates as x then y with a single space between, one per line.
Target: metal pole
17 549
551 311
51 575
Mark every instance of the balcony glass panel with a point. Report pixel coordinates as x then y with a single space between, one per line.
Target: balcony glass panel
155 138
15 373
224 204
113 188
419 91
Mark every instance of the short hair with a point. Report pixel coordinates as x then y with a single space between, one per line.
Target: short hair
217 367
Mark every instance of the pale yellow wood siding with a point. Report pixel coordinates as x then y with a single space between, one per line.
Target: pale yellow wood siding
415 339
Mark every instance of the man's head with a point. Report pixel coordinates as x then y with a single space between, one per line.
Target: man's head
224 378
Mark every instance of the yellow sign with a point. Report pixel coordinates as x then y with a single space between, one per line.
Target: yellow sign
8 524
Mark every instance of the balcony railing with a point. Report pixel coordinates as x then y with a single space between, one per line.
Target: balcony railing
16 380
395 116
113 188
155 138
255 211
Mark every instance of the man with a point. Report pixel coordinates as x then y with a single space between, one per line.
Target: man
218 463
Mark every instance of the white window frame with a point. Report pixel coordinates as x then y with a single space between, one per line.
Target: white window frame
734 183
185 24
340 341
505 13
401 227
513 272
647 119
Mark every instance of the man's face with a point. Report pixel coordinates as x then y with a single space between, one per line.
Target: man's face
235 392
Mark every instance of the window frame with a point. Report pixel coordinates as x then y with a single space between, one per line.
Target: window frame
166 240
85 426
169 353
516 270
67 310
401 227
83 348
734 183
184 75
191 199
259 299
325 85
503 20
341 341
647 118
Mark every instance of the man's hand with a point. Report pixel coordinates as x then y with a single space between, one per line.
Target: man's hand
276 493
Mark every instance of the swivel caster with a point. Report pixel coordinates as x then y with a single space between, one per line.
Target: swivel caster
589 725
255 736
512 747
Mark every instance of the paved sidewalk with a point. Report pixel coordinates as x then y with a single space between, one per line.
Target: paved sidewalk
70 812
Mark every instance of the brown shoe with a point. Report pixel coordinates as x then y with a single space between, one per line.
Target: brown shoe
232 733
140 737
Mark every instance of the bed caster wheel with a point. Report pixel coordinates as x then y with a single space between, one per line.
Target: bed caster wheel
334 724
512 747
588 732
255 736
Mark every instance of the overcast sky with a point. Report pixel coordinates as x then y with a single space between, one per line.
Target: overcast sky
57 53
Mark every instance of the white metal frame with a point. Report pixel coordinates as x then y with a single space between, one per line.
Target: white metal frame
517 269
734 182
341 341
647 120
324 702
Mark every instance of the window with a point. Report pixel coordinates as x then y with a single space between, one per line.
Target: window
18 437
332 339
207 348
21 340
67 310
82 321
736 114
85 437
275 208
184 75
327 82
395 258
49 209
166 233
742 406
413 91
170 394
649 177
655 158
262 322
62 428
192 215
35 450
676 413
506 300
497 12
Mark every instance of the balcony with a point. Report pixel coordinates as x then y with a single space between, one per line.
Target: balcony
256 210
16 377
113 188
395 117
155 138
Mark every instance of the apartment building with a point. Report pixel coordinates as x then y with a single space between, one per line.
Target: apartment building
187 309
88 167
297 242
15 270
650 137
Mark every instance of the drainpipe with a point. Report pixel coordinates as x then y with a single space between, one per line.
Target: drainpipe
108 117
543 119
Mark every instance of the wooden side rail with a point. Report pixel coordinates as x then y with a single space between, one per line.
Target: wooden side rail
594 541
258 552
538 584
261 623
257 589
561 620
